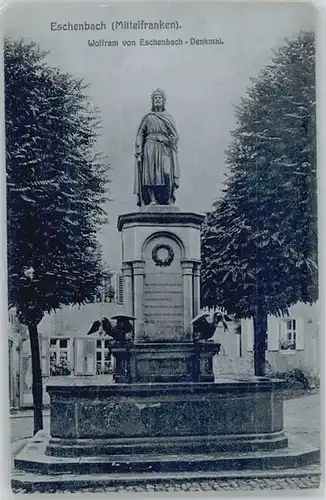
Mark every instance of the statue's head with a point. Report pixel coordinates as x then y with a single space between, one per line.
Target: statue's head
158 98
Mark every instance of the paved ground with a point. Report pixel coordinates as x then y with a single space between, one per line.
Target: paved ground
301 418
289 483
22 424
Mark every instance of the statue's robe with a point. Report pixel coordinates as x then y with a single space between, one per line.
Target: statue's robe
157 140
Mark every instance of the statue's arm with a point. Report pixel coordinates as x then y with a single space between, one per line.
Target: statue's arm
141 137
175 133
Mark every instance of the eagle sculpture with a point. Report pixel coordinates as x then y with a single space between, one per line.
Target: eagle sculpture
122 331
204 329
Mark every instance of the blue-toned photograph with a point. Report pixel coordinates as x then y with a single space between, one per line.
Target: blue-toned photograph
164 330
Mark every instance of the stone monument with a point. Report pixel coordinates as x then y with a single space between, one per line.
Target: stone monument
165 412
161 262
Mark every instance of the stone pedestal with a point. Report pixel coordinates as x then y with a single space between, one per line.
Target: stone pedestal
165 362
161 259
169 418
121 374
161 269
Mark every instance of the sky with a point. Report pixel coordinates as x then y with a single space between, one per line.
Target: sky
203 83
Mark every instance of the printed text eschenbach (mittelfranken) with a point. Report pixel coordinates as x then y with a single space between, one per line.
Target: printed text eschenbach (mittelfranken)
116 26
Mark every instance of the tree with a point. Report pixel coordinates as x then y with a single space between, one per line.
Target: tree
259 243
56 185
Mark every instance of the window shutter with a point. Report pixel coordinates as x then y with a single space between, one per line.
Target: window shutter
299 334
282 331
90 355
44 344
247 330
273 333
71 352
79 360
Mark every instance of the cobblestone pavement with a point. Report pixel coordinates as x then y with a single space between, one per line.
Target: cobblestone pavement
286 483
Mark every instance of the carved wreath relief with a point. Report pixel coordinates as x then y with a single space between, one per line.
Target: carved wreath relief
162 255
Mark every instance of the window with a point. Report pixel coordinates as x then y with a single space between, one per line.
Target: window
103 357
288 337
59 357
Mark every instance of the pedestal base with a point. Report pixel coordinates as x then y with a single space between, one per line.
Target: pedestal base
161 271
121 468
165 362
120 434
156 418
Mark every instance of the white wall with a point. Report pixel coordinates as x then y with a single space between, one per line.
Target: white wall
70 321
306 357
76 320
233 359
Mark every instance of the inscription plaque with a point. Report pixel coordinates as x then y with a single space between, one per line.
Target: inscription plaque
163 306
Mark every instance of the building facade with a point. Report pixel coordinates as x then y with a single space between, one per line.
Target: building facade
62 351
66 350
292 343
111 289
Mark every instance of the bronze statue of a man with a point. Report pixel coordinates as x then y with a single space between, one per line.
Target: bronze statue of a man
157 168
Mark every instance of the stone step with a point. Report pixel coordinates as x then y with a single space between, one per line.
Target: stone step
33 459
167 445
41 482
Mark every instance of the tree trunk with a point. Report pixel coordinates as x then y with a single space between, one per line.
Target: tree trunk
260 338
37 387
240 343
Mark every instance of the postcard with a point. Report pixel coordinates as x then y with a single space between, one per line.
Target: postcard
164 328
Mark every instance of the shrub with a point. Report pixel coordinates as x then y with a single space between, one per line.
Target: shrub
297 379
